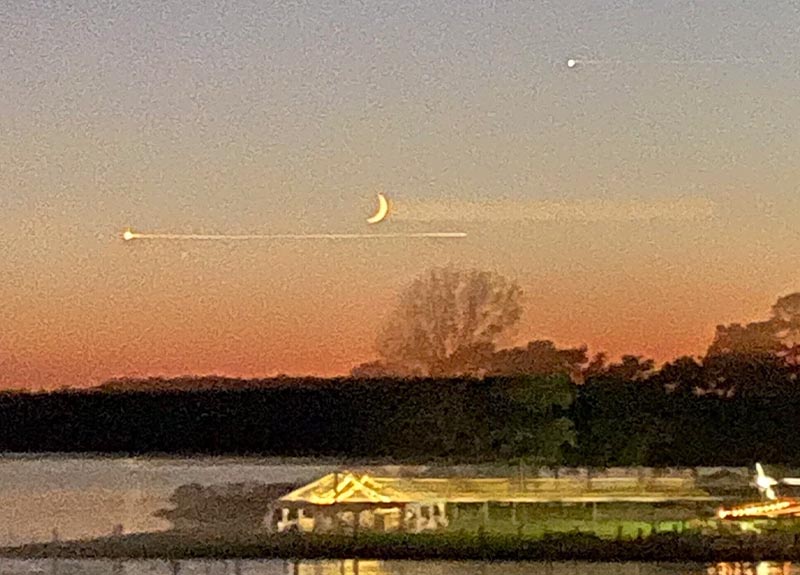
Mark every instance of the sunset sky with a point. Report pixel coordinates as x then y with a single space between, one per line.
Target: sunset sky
640 198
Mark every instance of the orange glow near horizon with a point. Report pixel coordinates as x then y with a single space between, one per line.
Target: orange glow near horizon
202 335
165 310
638 204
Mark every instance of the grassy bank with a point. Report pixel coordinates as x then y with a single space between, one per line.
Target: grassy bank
447 546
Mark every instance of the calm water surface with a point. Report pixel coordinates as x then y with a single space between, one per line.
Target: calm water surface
385 568
86 497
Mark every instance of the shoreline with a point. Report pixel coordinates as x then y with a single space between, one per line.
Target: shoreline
659 547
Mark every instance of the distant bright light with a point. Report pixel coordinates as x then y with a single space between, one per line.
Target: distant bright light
127 235
571 63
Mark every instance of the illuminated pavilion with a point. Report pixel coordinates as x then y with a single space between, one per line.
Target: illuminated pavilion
347 501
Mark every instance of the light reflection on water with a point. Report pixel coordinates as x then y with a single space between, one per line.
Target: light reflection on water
762 568
363 567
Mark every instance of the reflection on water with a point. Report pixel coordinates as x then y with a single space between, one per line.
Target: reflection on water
362 567
762 568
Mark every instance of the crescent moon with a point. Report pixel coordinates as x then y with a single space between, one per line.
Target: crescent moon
383 210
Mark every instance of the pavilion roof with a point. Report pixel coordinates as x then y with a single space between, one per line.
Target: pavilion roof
363 488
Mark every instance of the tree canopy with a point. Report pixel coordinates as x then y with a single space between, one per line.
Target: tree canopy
448 322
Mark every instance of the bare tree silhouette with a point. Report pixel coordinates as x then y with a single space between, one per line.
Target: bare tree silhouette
448 322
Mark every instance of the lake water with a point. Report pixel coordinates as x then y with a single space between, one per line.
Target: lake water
385 568
81 497
86 497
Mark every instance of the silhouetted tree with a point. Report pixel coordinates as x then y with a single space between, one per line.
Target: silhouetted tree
448 322
739 404
683 376
222 508
619 421
539 358
756 338
595 367
743 358
629 368
748 374
778 335
632 368
377 369
534 427
786 315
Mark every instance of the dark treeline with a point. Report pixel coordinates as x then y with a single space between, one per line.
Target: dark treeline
442 389
732 410
465 419
681 415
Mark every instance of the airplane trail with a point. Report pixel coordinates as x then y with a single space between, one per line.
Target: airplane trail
572 62
228 237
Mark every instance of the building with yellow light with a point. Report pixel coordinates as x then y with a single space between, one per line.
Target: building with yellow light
348 501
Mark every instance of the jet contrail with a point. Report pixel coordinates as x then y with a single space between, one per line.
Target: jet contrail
130 235
573 62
